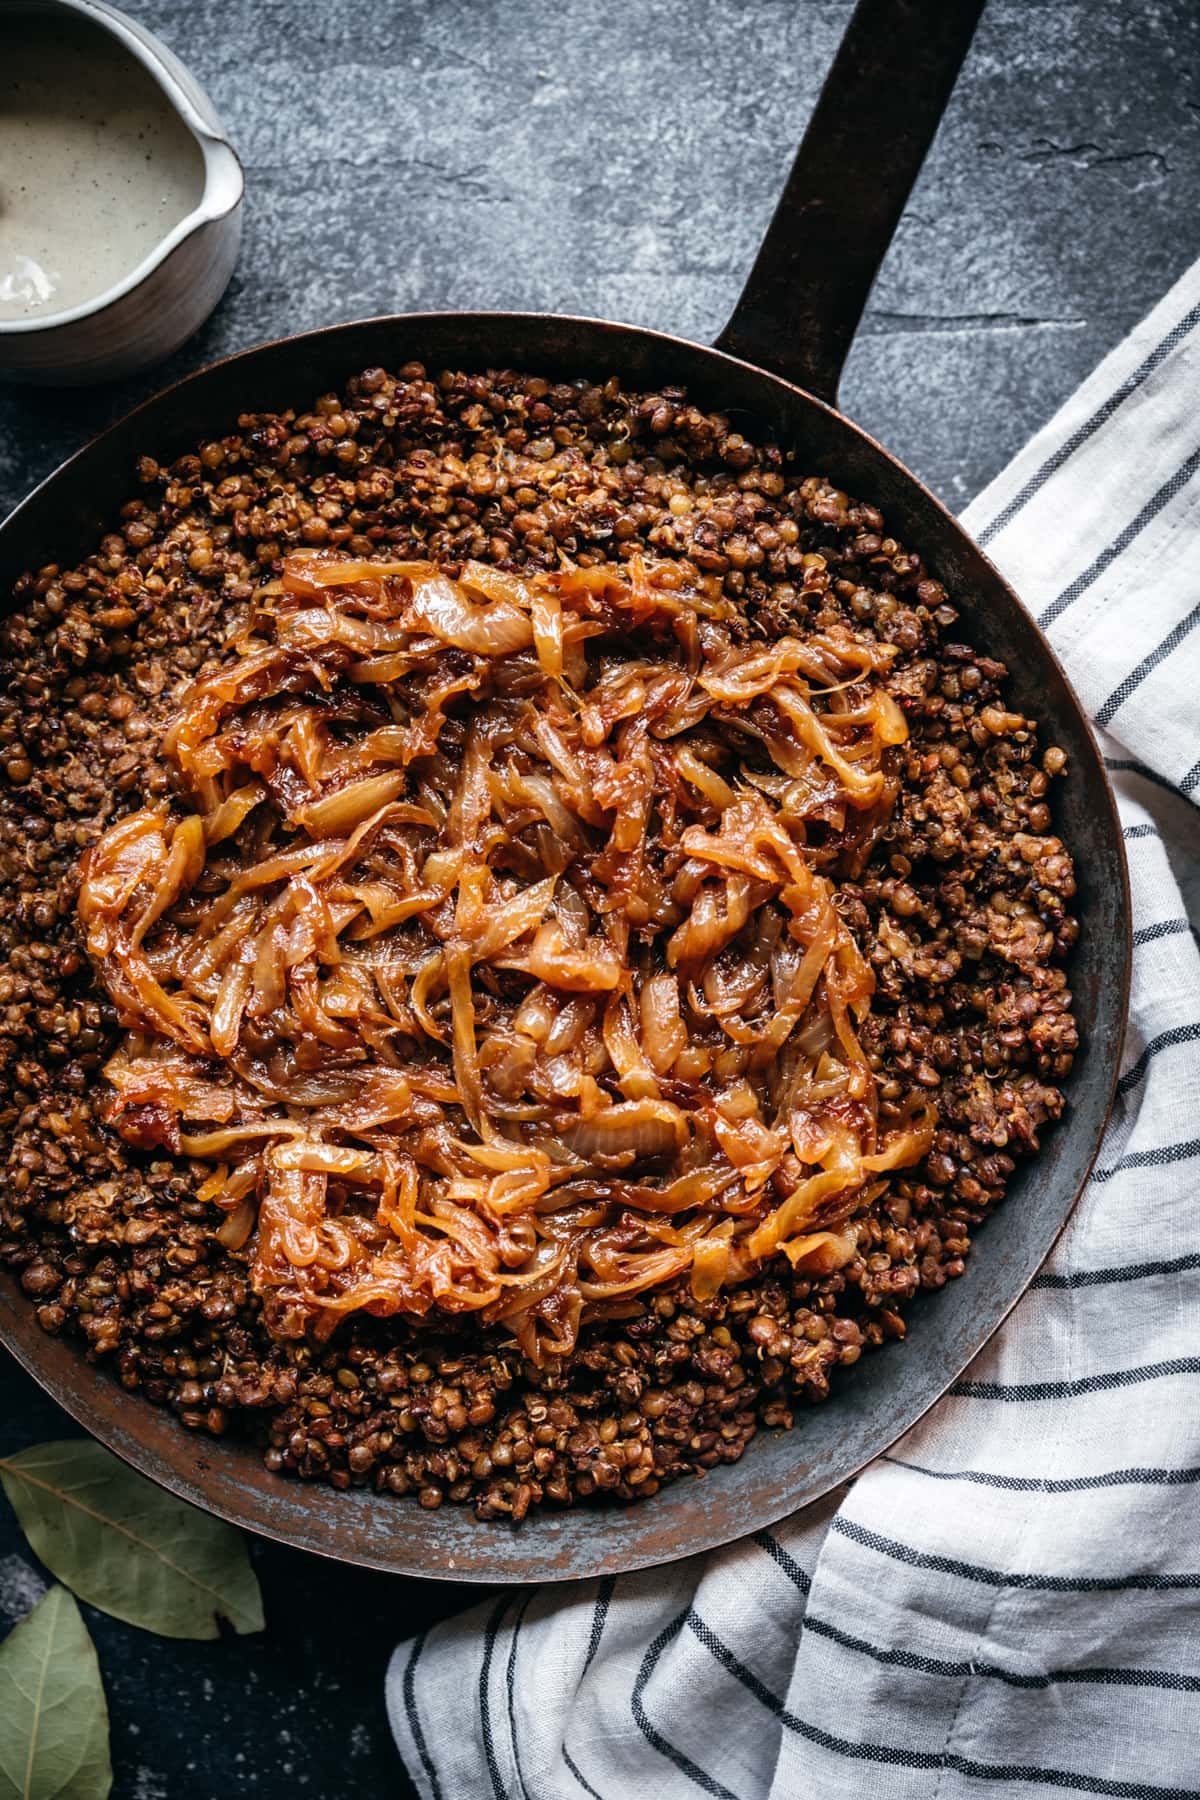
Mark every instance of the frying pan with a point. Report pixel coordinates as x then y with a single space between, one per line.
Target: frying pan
776 368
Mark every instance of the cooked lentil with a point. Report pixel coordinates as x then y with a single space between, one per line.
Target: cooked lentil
971 1006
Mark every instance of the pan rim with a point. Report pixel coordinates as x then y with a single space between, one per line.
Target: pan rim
174 1476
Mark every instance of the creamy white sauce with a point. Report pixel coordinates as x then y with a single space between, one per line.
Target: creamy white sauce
96 167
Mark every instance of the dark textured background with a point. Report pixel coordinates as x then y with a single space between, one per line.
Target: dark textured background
457 153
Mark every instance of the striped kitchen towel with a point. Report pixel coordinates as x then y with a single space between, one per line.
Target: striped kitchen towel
1009 1601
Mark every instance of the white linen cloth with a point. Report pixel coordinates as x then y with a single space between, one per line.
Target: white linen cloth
1009 1601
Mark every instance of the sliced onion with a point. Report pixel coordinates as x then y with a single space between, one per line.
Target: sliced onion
349 806
233 1231
492 943
495 630
633 1130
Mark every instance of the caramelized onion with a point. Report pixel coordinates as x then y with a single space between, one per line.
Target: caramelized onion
493 944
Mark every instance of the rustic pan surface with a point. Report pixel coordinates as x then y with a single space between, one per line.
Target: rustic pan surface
797 315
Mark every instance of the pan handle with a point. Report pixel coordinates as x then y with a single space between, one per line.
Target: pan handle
875 119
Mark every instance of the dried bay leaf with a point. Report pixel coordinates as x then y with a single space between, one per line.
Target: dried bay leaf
128 1547
53 1715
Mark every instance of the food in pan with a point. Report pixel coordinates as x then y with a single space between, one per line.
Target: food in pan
529 939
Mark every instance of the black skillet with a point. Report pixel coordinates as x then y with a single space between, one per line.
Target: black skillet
776 365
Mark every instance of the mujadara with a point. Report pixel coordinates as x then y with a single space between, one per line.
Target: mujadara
528 940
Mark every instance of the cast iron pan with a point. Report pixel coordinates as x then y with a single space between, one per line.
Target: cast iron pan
776 367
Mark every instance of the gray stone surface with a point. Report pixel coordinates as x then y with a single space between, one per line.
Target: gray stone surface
625 161
621 161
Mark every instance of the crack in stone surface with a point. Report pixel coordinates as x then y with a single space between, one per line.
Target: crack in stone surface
884 324
1086 155
429 177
